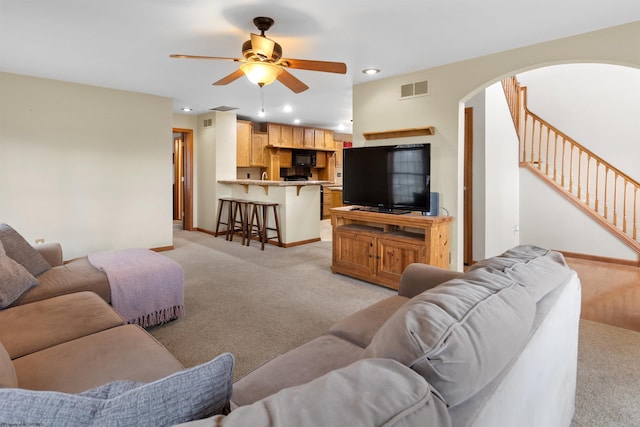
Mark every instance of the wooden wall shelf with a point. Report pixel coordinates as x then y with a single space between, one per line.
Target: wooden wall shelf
399 133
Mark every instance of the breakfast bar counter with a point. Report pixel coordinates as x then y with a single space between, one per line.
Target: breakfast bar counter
298 202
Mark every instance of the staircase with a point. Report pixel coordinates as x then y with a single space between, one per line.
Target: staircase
596 187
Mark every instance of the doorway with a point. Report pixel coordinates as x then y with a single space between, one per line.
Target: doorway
468 188
183 178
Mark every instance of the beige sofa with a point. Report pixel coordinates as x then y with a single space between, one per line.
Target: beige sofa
68 358
495 346
52 276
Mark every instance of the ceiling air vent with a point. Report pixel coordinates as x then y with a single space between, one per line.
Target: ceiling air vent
411 90
223 108
207 122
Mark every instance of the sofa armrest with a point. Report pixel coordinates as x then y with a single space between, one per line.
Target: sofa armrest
52 252
418 278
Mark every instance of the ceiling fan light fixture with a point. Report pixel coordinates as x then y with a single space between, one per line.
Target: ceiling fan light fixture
261 73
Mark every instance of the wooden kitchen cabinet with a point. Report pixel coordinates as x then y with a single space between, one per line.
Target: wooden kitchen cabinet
309 138
280 135
321 159
298 137
339 153
259 141
377 247
244 132
328 140
318 138
286 158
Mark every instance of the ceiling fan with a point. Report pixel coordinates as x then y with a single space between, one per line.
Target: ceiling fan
262 62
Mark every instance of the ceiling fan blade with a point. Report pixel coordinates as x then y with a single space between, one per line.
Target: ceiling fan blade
325 66
230 78
292 82
174 55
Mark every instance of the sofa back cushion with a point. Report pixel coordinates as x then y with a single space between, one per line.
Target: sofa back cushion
14 279
8 377
21 251
539 270
370 392
461 334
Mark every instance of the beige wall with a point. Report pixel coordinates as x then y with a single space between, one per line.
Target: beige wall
85 166
377 106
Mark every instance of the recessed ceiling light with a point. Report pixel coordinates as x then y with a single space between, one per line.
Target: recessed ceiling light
186 109
296 121
371 71
341 126
287 108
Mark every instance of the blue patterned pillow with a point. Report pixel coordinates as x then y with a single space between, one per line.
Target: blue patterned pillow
191 394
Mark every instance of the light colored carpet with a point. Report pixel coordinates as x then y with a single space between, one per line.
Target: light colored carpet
259 304
256 304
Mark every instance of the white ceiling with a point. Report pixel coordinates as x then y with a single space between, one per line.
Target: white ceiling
125 44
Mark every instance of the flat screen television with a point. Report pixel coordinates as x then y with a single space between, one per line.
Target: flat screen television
392 179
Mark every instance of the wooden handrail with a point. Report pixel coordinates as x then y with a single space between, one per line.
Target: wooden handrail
602 190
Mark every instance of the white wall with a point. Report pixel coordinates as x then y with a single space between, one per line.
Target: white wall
85 166
501 178
495 174
377 106
597 105
216 159
549 220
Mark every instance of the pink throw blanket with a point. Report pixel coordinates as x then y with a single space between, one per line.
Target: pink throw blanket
146 287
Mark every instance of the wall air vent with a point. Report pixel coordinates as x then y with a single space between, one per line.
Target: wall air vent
412 90
207 122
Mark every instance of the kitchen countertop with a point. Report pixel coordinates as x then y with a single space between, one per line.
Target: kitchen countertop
272 183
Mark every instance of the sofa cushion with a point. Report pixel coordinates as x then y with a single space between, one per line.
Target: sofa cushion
199 392
75 276
122 353
461 334
14 279
539 270
43 324
298 366
373 392
360 327
8 376
21 251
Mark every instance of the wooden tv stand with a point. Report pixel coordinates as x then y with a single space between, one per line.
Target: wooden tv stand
377 247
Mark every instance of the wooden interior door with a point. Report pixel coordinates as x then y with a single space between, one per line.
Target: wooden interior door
468 187
178 176
186 164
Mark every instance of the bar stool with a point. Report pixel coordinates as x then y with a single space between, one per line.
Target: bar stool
239 219
260 218
222 201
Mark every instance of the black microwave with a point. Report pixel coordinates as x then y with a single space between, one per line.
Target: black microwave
303 158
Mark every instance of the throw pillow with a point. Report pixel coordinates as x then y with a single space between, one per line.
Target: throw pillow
21 251
194 393
14 279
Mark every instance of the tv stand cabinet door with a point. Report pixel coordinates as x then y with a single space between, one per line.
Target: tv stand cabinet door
393 256
353 253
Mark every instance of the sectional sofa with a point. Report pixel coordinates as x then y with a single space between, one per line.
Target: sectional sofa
496 345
